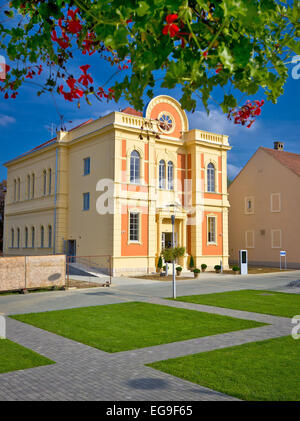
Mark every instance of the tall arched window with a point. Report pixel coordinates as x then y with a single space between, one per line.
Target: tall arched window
135 167
12 233
162 174
18 238
170 175
33 186
50 181
32 237
28 186
42 236
49 236
44 182
26 237
210 177
15 190
19 190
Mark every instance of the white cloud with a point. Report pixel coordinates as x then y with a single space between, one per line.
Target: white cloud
6 119
233 171
217 122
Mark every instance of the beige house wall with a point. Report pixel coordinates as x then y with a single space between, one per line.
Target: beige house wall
260 178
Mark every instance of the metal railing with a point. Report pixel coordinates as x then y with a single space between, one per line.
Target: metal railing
95 269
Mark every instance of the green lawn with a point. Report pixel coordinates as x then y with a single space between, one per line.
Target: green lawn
126 326
274 303
262 371
15 357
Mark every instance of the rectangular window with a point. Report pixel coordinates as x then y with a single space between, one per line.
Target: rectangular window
275 202
276 238
86 201
249 205
134 226
86 166
249 238
50 182
50 236
211 229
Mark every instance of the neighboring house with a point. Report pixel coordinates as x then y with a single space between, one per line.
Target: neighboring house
264 208
2 199
110 186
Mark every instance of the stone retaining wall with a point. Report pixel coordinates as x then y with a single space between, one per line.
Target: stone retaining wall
22 272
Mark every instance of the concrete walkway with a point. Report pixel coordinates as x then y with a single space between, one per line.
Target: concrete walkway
85 373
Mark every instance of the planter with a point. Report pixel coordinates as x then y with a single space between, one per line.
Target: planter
236 272
203 270
178 272
218 270
196 275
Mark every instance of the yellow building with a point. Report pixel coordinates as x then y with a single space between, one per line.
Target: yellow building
109 187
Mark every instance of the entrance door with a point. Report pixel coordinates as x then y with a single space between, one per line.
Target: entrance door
71 250
166 240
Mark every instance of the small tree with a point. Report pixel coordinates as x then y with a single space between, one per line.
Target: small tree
160 263
172 253
192 263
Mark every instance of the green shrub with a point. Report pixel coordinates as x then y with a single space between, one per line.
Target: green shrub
217 267
203 266
171 254
160 262
235 268
196 270
192 263
179 268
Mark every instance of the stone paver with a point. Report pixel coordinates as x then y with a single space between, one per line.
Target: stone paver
85 373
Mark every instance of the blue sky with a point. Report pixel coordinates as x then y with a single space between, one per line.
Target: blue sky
26 121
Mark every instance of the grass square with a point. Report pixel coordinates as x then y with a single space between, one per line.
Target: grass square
132 325
15 357
258 371
257 301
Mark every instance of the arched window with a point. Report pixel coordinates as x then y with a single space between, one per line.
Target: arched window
45 182
42 236
19 190
210 177
15 190
28 186
33 186
26 237
12 233
170 175
32 237
50 181
162 174
18 238
50 236
135 167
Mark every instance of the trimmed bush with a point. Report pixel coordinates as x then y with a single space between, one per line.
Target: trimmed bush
196 270
179 268
192 263
235 268
160 263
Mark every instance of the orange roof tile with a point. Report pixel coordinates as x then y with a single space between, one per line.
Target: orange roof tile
132 111
288 159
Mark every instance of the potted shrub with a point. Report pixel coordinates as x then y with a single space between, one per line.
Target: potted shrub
196 272
159 265
178 270
203 267
217 268
192 263
236 270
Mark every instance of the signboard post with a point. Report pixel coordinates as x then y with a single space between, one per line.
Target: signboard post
282 254
243 256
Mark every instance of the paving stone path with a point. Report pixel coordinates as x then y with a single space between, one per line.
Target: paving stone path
85 373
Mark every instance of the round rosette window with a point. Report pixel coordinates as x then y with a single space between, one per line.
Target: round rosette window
166 122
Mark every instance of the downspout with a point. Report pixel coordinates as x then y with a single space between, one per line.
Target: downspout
55 201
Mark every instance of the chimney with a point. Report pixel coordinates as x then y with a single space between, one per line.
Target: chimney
278 146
